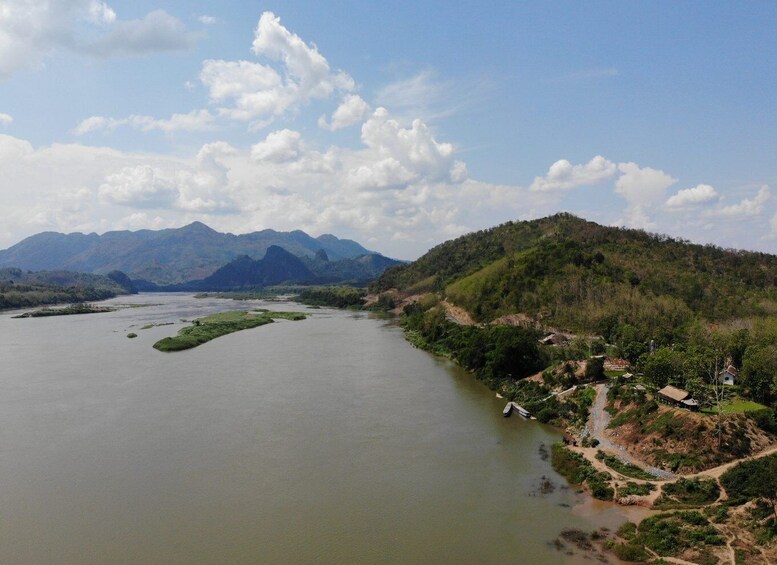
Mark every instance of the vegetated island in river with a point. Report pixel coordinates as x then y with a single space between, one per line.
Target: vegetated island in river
210 327
66 311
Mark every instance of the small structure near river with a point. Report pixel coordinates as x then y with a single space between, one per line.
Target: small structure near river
678 397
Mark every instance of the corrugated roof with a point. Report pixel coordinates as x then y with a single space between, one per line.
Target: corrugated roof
674 393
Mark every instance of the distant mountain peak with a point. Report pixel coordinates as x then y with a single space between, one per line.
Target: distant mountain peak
197 226
164 257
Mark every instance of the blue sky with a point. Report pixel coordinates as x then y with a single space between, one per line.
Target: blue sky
398 124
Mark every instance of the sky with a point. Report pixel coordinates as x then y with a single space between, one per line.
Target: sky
398 124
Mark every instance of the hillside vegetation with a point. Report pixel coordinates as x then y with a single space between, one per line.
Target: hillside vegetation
20 289
567 272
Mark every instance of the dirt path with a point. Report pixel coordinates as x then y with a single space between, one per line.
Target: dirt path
457 314
716 472
597 429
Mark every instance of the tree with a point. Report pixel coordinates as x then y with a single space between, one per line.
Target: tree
718 394
594 369
662 367
759 370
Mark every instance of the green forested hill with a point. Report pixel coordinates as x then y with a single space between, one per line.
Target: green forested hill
23 289
576 274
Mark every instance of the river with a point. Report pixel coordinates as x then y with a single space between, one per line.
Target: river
329 440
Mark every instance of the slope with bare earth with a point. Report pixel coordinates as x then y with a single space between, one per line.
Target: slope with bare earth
683 442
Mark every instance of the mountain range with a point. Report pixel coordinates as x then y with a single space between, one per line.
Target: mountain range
175 256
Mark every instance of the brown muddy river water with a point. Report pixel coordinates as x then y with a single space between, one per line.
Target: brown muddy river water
329 440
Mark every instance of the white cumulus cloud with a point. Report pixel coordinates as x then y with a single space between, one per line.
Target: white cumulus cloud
141 186
278 147
415 148
562 175
295 73
699 194
747 207
351 111
643 188
5 119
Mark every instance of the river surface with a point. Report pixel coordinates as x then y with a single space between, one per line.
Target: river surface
329 440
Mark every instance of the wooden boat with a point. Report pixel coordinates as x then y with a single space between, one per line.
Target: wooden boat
521 410
508 409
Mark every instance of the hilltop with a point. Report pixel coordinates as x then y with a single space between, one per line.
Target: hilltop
567 272
168 256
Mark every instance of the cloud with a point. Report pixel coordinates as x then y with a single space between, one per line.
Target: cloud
196 120
208 20
278 147
642 185
156 32
351 111
562 175
101 13
295 73
643 188
692 196
139 187
5 119
748 207
31 29
304 64
414 148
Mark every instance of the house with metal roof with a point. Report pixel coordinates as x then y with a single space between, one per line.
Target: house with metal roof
677 397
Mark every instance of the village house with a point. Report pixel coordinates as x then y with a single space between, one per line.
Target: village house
677 397
728 376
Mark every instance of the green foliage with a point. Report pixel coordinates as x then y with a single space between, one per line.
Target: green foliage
216 325
578 470
72 309
334 296
671 534
759 372
689 493
19 289
594 369
756 478
497 354
630 552
628 530
636 489
764 419
626 469
662 367
132 335
626 285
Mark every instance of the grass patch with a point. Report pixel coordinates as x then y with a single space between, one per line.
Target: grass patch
578 470
132 335
626 469
686 493
216 325
735 406
670 535
636 489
